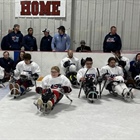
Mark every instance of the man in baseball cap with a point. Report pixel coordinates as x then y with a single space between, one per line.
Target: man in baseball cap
61 41
45 44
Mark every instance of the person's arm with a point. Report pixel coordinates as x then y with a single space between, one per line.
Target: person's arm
36 69
24 43
45 82
79 75
127 67
120 72
41 47
119 43
17 70
35 48
68 43
8 40
53 45
3 43
104 45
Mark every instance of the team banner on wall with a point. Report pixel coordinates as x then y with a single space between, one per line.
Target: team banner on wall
40 8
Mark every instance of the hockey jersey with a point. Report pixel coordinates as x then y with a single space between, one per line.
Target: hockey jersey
127 66
54 83
92 72
72 60
21 67
116 71
1 73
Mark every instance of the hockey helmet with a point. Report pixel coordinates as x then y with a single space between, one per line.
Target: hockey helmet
72 68
119 79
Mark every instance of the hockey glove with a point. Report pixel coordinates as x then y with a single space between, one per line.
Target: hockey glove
66 89
39 90
122 63
66 64
35 76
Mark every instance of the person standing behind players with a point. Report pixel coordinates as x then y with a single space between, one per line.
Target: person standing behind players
4 44
61 41
29 41
112 41
45 44
14 39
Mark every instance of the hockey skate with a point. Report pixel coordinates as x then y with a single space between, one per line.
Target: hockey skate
14 90
128 96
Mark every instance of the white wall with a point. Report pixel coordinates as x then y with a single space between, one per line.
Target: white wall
46 59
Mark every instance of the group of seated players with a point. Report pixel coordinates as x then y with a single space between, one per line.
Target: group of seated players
117 76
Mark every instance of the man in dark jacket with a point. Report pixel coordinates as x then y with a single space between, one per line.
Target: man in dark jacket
45 44
7 63
112 41
83 47
14 39
29 41
4 44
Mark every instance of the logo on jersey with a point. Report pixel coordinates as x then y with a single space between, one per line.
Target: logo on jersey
15 39
110 39
29 72
90 76
56 86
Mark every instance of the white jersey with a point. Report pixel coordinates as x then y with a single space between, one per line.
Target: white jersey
127 66
72 60
116 71
58 82
1 72
21 67
86 73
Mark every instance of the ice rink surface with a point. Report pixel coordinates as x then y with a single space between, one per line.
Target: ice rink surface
110 118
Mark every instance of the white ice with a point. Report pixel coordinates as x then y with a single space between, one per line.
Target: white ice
110 118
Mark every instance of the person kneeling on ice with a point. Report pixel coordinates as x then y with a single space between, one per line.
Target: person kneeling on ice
27 73
70 65
114 81
87 76
54 87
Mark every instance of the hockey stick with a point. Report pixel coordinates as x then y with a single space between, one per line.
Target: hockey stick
82 84
99 83
104 83
61 91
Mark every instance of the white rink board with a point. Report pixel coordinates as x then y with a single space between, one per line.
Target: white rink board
48 59
108 119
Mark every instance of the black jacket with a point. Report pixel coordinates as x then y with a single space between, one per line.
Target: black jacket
4 44
45 44
112 43
83 49
29 43
7 64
